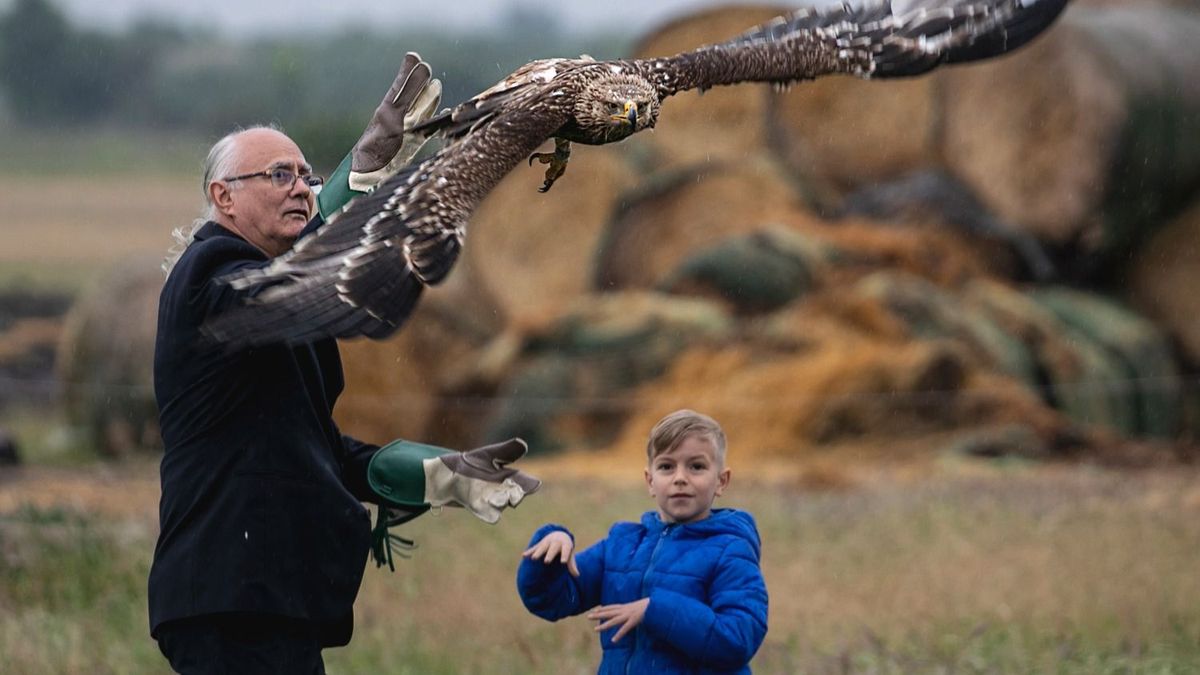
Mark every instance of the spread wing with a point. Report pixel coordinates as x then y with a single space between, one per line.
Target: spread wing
871 41
512 92
362 273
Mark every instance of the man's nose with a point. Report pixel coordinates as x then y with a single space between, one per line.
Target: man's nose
300 188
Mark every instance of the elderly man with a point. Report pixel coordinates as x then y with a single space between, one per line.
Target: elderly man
263 534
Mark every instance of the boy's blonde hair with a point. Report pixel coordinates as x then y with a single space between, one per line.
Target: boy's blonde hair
672 429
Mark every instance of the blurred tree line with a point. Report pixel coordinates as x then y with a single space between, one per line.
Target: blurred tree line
320 88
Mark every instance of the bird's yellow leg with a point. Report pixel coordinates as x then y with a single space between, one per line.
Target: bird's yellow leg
557 161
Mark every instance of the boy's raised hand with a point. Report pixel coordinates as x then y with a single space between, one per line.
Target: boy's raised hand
627 616
557 544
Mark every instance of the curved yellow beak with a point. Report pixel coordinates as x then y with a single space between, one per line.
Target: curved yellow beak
630 115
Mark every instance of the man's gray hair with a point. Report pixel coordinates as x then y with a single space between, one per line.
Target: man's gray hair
221 161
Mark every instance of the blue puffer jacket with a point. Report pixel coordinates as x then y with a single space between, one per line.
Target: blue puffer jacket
708 600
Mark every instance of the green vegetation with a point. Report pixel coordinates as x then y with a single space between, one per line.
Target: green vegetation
70 593
101 152
37 277
44 438
166 77
1067 571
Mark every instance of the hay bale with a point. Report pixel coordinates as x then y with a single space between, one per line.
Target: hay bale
27 353
839 133
680 213
926 250
105 359
845 390
935 197
1139 349
1081 378
999 442
571 388
755 273
8 450
30 330
530 252
835 370
1163 278
1087 136
407 386
724 123
930 313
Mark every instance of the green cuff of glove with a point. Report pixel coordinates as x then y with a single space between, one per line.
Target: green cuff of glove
336 192
396 475
397 472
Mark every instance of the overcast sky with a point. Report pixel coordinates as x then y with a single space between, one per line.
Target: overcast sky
239 17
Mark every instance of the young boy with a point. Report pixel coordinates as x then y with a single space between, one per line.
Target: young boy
680 592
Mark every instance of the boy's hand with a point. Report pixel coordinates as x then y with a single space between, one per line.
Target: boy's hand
557 544
627 616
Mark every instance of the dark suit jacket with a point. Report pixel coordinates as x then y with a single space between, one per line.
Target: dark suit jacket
261 493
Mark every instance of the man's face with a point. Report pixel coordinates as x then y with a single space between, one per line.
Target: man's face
266 215
685 481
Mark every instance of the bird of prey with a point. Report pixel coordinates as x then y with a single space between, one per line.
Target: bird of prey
362 273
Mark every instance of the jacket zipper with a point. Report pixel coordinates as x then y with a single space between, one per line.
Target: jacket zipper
653 555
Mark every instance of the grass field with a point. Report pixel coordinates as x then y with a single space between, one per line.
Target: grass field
62 234
54 153
957 567
77 203
977 569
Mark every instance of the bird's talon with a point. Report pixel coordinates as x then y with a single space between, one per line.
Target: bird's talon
557 161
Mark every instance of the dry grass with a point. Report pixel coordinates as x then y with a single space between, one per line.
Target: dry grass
1066 554
66 229
26 335
972 568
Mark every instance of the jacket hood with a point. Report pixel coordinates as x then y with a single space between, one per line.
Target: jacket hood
721 521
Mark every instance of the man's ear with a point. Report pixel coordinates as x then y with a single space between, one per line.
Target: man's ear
221 196
649 482
723 480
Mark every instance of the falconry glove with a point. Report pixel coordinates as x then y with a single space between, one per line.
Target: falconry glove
386 147
410 478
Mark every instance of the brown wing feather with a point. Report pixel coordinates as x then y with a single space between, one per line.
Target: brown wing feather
870 41
508 94
363 272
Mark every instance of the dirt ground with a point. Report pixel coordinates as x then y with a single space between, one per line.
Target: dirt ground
129 490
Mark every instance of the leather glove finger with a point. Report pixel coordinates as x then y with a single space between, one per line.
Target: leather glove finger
375 156
425 105
506 495
488 514
410 81
490 463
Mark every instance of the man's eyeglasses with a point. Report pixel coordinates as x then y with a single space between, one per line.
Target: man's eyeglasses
282 178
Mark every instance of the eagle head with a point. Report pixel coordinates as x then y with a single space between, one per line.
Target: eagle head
616 107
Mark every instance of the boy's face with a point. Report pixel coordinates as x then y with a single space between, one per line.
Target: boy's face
685 481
